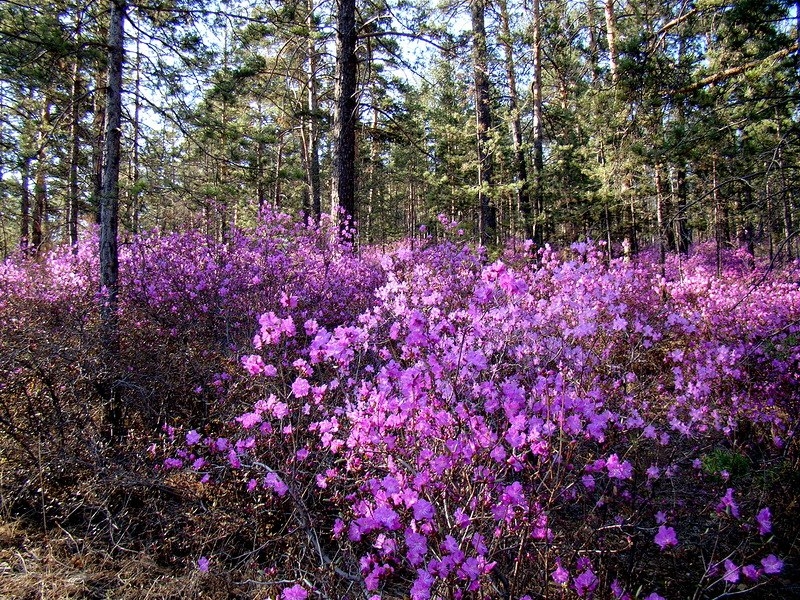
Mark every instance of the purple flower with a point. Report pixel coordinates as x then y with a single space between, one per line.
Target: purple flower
296 592
192 438
276 484
665 537
585 583
772 564
249 420
421 590
731 572
560 575
764 520
751 572
300 387
655 596
617 469
417 547
728 504
423 510
202 564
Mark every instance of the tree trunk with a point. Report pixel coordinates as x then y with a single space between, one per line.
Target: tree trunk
592 22
40 188
660 214
109 193
73 192
261 193
343 192
483 123
612 36
312 133
98 127
538 129
135 192
25 204
522 192
681 230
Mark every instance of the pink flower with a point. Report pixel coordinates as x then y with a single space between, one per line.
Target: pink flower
300 387
665 537
772 564
764 520
296 592
560 575
249 420
275 483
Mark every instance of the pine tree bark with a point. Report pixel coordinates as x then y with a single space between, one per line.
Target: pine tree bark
312 129
98 127
40 187
538 129
612 35
522 192
73 191
483 122
137 107
109 193
25 204
343 185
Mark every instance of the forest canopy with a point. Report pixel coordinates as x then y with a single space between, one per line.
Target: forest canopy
666 123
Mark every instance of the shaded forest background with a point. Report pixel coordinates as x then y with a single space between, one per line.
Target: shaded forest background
631 121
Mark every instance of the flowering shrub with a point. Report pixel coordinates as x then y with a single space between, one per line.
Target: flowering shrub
421 422
522 428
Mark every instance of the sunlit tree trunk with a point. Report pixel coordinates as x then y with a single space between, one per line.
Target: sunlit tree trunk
538 128
312 127
343 184
483 122
522 192
612 35
40 187
73 191
135 192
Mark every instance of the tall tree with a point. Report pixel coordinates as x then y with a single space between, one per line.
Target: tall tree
109 194
345 116
487 215
522 191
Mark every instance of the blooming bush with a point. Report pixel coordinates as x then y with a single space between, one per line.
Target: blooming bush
523 428
421 422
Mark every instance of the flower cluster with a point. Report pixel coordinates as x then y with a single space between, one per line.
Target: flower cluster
537 409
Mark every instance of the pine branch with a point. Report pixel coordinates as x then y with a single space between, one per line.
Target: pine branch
733 71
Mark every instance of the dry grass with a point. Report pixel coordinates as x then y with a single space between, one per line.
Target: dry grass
57 566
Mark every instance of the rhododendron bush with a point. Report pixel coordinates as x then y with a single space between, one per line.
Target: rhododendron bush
430 423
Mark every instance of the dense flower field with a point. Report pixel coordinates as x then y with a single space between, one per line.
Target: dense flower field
427 422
